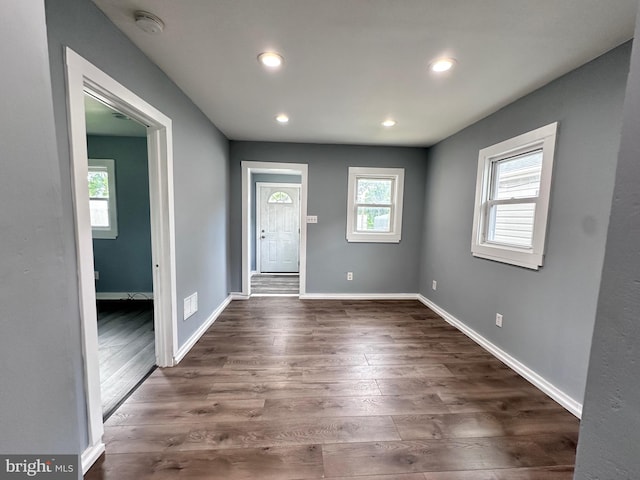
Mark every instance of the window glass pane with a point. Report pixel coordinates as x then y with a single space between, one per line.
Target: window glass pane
99 213
98 184
518 177
512 224
375 191
280 197
373 219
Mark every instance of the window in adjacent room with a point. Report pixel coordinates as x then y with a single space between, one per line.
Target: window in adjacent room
512 198
102 198
375 204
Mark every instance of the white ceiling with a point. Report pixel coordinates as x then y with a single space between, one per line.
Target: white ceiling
349 64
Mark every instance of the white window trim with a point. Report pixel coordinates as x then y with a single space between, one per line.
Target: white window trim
394 236
110 232
542 138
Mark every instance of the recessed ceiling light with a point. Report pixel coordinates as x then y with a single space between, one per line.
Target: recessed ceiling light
442 65
148 22
388 123
271 59
282 118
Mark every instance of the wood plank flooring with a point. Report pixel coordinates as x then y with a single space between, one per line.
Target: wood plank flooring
126 348
275 284
285 389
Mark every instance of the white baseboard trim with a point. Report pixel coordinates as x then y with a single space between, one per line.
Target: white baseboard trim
188 345
124 295
90 455
547 387
238 296
358 296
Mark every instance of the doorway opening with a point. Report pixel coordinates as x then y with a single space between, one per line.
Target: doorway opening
118 182
276 251
84 78
274 228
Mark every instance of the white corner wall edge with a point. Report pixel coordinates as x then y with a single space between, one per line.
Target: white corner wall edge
188 345
547 387
90 456
124 295
359 296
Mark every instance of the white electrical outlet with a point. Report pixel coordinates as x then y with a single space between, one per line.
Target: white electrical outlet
499 320
434 285
349 276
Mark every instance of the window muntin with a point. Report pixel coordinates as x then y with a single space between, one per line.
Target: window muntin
102 198
512 198
375 204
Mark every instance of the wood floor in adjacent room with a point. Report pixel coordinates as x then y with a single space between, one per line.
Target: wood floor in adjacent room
126 348
283 389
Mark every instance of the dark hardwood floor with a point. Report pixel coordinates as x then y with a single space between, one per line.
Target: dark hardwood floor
126 348
283 389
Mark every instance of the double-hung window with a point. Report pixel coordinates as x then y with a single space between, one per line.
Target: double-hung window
102 198
512 198
374 209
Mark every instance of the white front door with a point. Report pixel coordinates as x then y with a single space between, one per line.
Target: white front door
278 227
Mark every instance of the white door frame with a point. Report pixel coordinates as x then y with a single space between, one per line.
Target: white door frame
258 204
280 168
83 77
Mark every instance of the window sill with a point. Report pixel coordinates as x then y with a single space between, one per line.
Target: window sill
373 238
531 261
101 235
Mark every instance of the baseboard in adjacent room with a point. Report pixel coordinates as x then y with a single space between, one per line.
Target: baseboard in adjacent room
124 295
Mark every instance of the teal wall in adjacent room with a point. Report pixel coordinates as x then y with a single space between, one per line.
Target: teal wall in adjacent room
124 263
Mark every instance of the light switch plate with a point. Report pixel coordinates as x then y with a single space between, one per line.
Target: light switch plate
190 305
312 219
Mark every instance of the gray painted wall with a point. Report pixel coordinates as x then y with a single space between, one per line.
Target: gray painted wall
200 154
200 151
548 314
41 396
270 178
124 263
378 268
610 429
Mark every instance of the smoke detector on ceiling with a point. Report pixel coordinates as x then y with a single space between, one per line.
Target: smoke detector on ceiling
148 22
